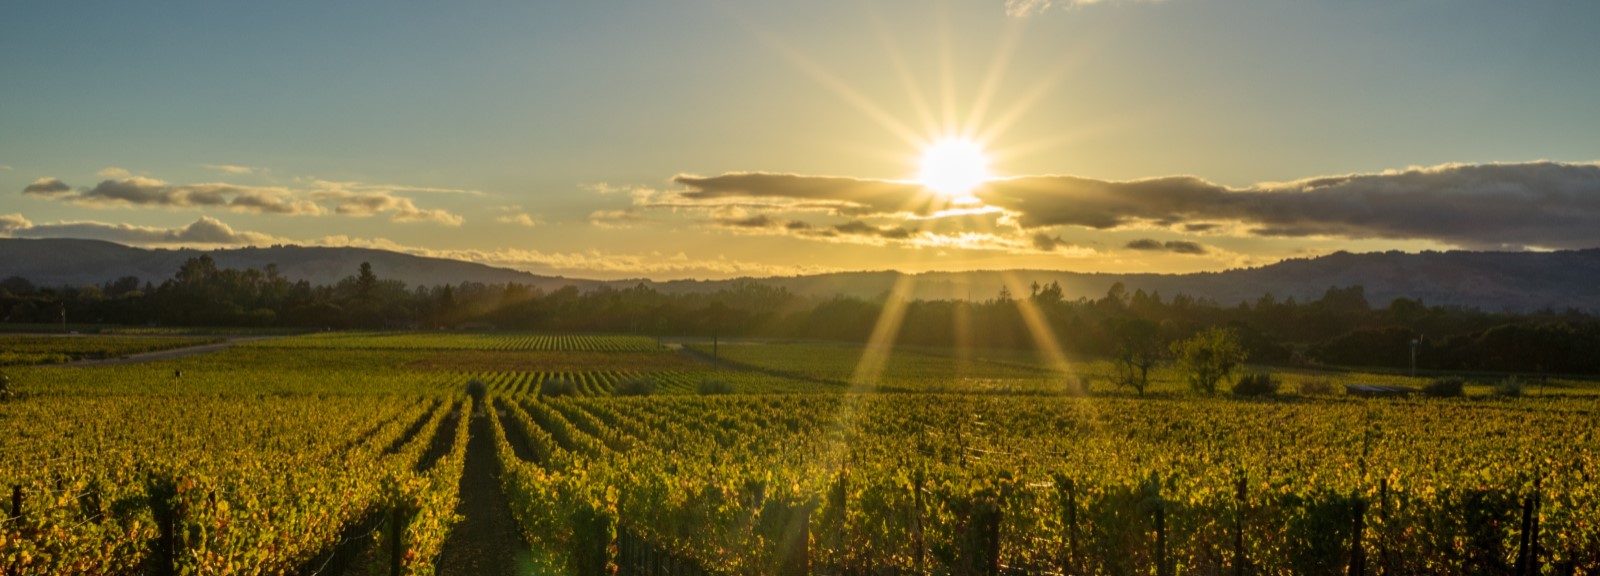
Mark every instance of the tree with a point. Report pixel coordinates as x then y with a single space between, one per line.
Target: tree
1209 358
1138 351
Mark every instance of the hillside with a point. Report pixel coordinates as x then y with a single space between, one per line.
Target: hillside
1487 280
54 262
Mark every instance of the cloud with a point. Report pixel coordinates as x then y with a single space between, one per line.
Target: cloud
399 208
322 198
516 215
5 168
1047 243
49 187
615 218
12 222
205 231
113 172
232 169
1475 206
1175 246
1025 8
853 196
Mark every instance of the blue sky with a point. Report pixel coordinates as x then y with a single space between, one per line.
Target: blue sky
550 136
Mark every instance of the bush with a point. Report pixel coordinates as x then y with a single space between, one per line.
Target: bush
1511 387
1445 388
558 387
1079 385
714 386
1316 387
1258 384
477 390
634 387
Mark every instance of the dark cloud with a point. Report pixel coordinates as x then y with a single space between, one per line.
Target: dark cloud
1543 204
1479 206
350 199
1047 243
47 187
206 230
1175 246
757 221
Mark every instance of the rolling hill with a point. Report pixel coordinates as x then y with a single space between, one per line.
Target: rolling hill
1488 280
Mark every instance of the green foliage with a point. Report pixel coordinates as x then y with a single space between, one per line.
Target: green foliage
636 386
1510 387
477 390
1256 384
1450 387
557 387
1208 358
24 350
1317 386
6 394
713 386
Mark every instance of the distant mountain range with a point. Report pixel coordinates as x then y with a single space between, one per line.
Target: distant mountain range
1488 280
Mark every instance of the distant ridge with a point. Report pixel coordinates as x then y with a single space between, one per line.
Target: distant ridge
62 261
1492 281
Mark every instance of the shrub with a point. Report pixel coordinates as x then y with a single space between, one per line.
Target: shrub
1080 385
1209 358
558 387
477 390
1445 388
5 388
634 387
1257 384
714 386
1511 387
1316 387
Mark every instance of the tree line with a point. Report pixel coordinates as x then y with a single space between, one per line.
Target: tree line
1340 328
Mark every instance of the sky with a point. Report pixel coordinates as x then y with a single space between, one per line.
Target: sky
715 139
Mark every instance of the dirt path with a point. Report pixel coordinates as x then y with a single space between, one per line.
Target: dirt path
165 354
486 540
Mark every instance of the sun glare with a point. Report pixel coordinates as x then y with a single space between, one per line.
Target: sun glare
953 168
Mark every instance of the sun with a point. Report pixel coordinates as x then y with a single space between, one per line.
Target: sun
953 168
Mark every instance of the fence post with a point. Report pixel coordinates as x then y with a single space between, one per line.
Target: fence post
1239 502
1533 540
1161 539
794 550
1358 553
1067 497
16 501
987 532
918 542
397 547
1385 563
1523 538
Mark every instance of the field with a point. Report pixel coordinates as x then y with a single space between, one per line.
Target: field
20 350
352 453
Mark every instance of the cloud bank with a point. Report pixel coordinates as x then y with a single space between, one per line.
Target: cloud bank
205 231
320 198
1475 206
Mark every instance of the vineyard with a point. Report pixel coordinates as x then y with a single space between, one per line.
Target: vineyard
339 453
21 350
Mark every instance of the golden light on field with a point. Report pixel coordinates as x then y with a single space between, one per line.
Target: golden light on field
953 168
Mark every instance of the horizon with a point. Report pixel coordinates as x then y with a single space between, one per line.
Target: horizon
707 140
